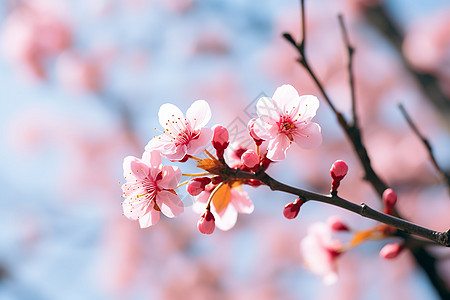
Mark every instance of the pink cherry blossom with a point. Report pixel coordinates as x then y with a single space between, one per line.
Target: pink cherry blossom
182 136
149 189
320 250
239 202
286 118
206 223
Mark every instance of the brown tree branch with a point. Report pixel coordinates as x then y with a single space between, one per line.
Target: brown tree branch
426 143
442 238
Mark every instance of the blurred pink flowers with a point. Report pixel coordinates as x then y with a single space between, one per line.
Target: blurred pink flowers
149 189
182 136
285 118
320 250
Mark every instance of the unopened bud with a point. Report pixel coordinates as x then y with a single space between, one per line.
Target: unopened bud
291 210
220 140
197 185
389 198
206 224
338 171
251 130
336 224
250 159
391 251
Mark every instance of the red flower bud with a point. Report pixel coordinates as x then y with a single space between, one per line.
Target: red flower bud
389 198
250 159
391 251
206 224
291 210
220 140
197 185
338 171
336 224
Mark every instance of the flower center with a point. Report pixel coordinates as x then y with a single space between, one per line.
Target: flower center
180 131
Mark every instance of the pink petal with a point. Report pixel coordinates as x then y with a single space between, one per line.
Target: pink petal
265 130
134 207
287 99
278 147
179 153
199 144
134 168
268 110
131 189
171 176
198 114
228 219
149 219
241 201
169 203
308 108
169 112
162 143
154 160
309 136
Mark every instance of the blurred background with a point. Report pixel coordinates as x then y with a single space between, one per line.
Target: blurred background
81 83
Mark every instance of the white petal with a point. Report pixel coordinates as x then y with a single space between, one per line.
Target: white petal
267 110
198 114
308 136
228 218
278 147
149 219
241 201
287 98
169 112
170 204
308 108
171 176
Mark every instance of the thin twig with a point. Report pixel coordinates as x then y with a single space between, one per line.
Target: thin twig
442 238
426 143
351 51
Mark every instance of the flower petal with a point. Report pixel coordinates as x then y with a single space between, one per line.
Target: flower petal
199 144
278 147
228 219
154 160
308 108
168 113
171 176
241 201
308 136
169 203
286 96
162 143
179 153
135 207
265 130
134 169
198 114
268 110
149 219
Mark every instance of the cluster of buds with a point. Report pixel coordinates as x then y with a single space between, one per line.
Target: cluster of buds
338 171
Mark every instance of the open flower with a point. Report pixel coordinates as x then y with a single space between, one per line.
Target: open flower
320 250
182 135
149 189
227 202
286 118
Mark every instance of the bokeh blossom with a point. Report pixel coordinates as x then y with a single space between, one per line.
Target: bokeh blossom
182 135
149 189
286 118
320 250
